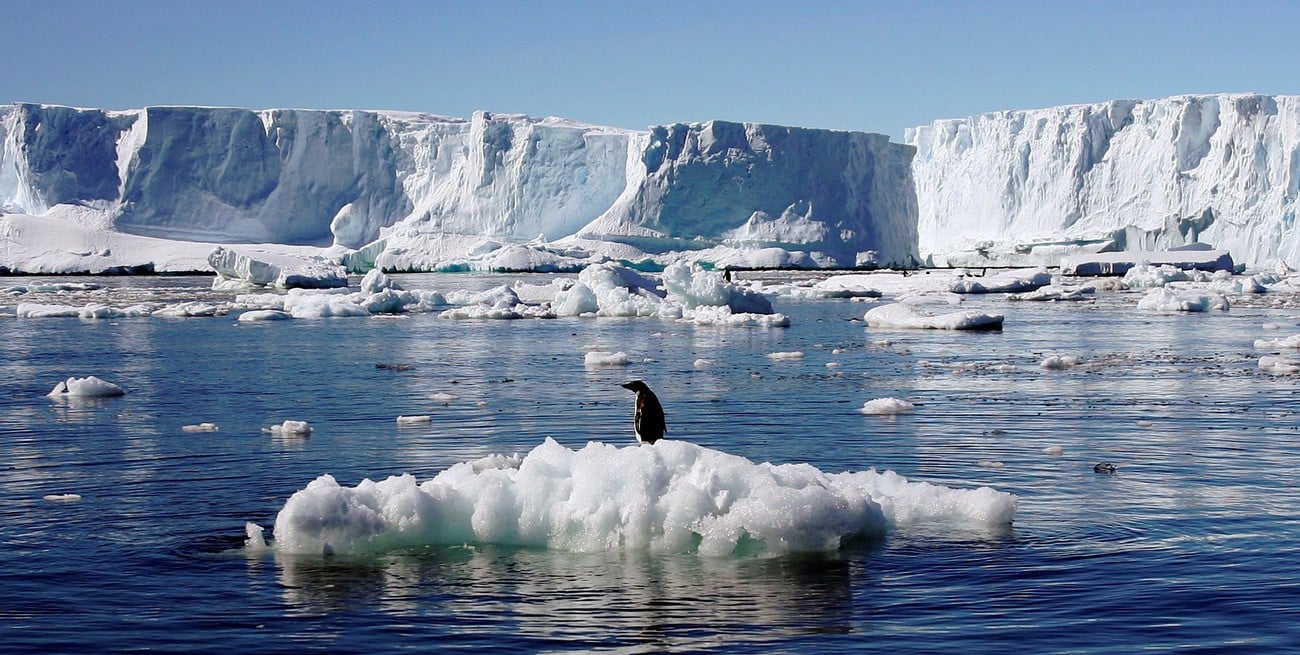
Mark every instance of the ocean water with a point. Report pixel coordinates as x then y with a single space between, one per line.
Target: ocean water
1190 546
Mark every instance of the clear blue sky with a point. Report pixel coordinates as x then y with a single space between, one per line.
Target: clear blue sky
872 66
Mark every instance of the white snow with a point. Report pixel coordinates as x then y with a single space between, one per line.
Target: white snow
887 406
419 419
200 427
673 497
87 387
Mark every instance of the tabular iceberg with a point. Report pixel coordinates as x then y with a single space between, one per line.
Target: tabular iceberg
411 191
1028 187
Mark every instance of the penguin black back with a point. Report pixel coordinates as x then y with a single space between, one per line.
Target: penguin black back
649 417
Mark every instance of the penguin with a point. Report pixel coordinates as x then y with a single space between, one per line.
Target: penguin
649 417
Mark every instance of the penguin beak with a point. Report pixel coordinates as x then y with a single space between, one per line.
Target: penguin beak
630 386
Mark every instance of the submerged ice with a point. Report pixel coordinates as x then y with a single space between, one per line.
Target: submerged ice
673 497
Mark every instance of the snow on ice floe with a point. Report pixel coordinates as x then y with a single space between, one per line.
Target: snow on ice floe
1059 362
673 497
1285 343
290 428
87 387
786 355
886 406
1280 364
909 315
596 359
1165 299
264 267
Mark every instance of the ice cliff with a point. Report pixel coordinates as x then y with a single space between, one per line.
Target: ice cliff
421 192
1025 187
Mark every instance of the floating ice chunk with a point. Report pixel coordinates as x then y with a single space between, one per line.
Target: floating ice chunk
414 420
675 497
297 428
37 310
597 359
1059 362
87 387
264 315
1286 343
692 286
1279 364
1146 276
1053 293
376 281
280 269
200 427
321 305
62 498
702 363
1053 450
724 316
789 355
845 286
1020 280
906 316
441 397
990 464
1164 299
886 406
577 300
191 309
254 538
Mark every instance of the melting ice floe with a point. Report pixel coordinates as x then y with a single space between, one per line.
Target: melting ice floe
673 497
887 406
87 387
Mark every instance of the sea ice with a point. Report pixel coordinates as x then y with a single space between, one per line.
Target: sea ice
290 427
1164 299
87 387
598 359
200 427
906 316
673 497
1059 362
887 406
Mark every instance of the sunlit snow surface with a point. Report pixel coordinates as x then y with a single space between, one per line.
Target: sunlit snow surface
673 496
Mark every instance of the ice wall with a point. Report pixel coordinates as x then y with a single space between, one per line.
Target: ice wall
746 185
401 183
1026 186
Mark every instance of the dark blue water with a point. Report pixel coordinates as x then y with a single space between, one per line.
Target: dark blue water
1191 546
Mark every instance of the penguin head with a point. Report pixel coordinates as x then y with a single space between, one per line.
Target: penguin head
635 385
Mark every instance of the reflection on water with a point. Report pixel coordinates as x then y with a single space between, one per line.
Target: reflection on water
606 600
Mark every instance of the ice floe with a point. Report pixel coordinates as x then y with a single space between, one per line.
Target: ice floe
672 497
87 387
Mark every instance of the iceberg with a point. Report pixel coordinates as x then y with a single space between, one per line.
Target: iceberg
1015 188
160 187
672 497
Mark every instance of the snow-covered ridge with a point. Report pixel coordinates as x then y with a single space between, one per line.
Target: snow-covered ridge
1027 187
414 191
